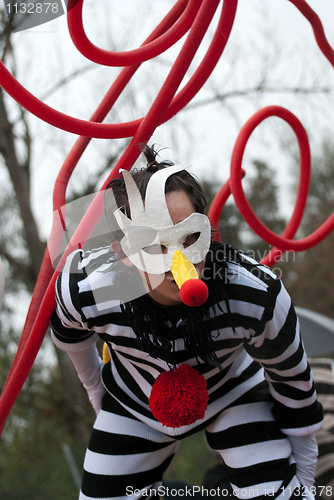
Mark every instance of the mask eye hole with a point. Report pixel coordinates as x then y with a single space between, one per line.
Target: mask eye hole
155 249
191 239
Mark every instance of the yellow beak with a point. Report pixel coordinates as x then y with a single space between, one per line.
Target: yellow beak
105 353
182 269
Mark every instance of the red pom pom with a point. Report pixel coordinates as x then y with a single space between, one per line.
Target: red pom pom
194 292
179 397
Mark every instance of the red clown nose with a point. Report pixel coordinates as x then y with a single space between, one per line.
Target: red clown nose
193 291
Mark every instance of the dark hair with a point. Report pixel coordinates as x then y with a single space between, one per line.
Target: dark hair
180 181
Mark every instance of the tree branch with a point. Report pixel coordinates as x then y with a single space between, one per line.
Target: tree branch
247 92
22 271
66 80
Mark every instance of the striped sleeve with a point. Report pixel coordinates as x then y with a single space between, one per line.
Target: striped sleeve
69 329
323 370
278 347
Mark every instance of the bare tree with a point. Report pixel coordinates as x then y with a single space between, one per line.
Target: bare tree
21 245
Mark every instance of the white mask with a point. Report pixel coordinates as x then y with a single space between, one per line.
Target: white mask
152 227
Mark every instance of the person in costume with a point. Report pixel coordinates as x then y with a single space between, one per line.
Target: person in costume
199 336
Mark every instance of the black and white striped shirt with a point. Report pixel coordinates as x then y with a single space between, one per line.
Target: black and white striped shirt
255 334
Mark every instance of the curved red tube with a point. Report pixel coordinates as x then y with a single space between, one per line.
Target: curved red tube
59 196
193 16
128 129
137 56
305 168
26 358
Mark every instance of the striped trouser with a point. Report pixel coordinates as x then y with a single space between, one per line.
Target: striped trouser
126 458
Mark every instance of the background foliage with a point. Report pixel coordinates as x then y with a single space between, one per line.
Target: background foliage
52 410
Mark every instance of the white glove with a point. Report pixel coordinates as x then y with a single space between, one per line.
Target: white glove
88 365
305 452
